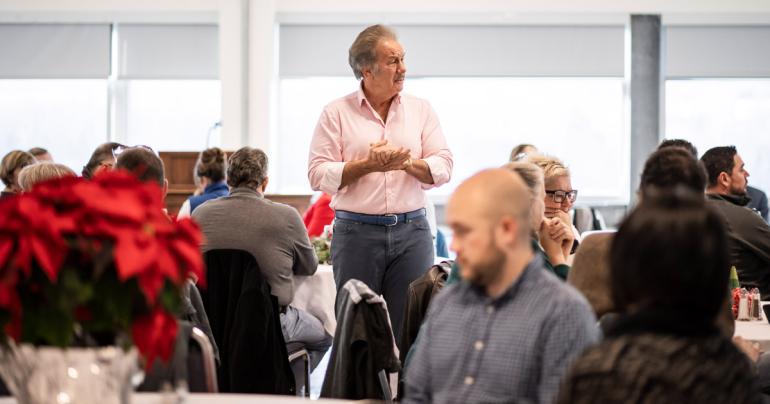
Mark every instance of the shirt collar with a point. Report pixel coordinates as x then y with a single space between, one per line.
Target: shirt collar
526 276
215 187
246 192
740 200
361 97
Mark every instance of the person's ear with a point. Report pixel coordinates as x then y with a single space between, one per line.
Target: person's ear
264 184
724 179
165 188
507 231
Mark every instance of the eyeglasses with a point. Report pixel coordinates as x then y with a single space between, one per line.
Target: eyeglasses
560 196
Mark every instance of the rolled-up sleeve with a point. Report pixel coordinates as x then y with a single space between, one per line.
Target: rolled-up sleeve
435 150
325 163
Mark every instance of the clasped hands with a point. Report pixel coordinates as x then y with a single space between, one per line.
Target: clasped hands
556 236
383 157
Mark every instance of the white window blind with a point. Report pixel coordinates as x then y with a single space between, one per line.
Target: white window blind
717 51
470 51
60 51
151 51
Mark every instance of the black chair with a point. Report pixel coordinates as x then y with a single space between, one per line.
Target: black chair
298 354
246 326
193 363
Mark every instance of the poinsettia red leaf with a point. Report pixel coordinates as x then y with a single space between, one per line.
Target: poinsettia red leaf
133 254
6 246
167 265
151 283
49 254
189 257
154 335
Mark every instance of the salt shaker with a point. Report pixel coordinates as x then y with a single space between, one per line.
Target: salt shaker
743 306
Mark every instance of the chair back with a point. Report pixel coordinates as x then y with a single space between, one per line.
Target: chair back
246 325
201 364
590 272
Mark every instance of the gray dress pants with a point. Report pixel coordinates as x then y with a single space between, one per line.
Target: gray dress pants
386 258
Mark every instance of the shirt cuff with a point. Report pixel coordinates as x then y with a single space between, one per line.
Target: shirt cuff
438 170
332 178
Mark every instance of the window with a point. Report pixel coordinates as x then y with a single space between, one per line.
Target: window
720 112
67 117
580 120
173 115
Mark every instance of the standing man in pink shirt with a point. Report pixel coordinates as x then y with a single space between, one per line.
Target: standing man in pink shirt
376 151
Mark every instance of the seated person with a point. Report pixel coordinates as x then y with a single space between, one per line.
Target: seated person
10 167
319 215
210 169
148 167
510 329
273 233
748 233
559 199
669 287
35 173
40 154
103 158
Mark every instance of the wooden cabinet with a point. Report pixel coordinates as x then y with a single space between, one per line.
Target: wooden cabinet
181 183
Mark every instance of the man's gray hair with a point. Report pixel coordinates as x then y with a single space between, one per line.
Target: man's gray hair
363 52
247 168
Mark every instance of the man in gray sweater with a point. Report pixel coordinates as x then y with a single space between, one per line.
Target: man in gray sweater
273 233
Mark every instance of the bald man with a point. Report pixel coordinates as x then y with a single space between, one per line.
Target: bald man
510 329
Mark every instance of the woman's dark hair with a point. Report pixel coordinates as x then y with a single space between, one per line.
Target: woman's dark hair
672 166
671 253
103 152
211 164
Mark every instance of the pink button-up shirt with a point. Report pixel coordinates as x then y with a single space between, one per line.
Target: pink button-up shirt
346 128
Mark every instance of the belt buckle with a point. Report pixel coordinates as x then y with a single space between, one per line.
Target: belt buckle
395 219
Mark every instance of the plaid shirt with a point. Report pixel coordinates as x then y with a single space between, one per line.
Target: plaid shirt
515 348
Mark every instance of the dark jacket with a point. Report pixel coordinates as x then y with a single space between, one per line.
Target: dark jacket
749 242
212 191
661 357
194 313
363 345
246 326
418 297
758 201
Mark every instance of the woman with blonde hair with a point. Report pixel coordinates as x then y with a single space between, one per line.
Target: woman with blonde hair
35 173
555 251
10 167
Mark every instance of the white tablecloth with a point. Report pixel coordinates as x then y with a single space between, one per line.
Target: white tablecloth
157 398
756 331
316 295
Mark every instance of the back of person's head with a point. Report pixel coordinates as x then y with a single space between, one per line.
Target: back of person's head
551 166
103 156
247 168
40 153
671 253
143 163
14 160
521 151
36 173
211 164
531 174
718 160
679 143
672 166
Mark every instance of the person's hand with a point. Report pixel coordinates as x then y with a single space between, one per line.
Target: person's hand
555 212
553 248
388 158
560 230
751 349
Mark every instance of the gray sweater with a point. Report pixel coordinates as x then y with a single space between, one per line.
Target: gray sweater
272 232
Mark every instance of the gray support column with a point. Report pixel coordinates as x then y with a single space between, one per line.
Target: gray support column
645 91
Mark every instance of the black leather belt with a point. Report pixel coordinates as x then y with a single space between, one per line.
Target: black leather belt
380 220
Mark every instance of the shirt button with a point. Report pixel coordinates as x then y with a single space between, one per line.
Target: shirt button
490 309
478 345
469 380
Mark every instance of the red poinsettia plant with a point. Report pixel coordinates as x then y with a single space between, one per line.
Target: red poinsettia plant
93 263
